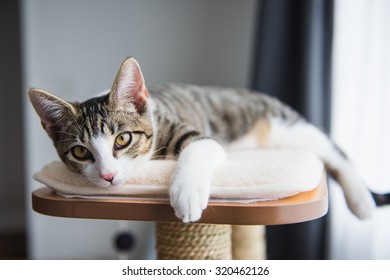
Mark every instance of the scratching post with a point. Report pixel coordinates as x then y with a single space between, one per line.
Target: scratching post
178 241
248 242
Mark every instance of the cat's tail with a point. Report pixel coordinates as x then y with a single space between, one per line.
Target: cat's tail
303 135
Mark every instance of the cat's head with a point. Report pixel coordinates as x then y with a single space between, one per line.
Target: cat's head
103 137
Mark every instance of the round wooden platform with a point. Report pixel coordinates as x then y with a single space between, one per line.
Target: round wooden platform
299 208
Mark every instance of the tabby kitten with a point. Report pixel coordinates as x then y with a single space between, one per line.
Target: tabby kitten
104 137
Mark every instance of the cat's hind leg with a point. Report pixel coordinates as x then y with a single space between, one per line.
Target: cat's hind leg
303 135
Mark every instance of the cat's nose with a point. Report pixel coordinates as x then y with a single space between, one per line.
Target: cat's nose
109 177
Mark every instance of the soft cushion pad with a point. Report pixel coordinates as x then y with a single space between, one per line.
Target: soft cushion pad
251 175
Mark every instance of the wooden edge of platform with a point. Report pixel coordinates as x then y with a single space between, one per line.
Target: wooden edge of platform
302 207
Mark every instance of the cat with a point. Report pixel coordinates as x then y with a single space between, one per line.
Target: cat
105 136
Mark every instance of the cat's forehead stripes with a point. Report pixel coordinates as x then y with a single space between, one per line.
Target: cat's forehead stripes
94 119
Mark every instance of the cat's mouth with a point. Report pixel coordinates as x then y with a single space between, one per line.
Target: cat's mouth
101 183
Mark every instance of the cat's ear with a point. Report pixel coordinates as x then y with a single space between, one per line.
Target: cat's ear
52 110
129 86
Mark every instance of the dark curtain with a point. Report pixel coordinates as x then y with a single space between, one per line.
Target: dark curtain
292 61
12 195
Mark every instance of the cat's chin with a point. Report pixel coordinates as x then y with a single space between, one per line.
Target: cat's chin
104 184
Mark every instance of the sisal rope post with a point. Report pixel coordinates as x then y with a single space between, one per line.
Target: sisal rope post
248 242
178 241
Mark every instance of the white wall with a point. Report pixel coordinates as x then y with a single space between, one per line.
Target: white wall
361 121
74 48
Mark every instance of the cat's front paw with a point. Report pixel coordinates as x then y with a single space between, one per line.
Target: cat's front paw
189 195
191 182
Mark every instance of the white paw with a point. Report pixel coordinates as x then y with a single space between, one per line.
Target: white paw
191 182
361 203
189 194
357 195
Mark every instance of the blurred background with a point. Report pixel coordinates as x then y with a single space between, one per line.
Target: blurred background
327 59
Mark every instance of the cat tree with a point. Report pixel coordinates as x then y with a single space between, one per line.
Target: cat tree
211 237
227 229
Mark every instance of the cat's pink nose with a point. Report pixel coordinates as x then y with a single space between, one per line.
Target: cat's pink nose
109 177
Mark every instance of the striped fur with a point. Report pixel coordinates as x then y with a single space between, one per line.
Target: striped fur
192 124
187 113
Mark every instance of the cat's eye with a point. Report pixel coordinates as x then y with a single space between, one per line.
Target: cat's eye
81 153
122 140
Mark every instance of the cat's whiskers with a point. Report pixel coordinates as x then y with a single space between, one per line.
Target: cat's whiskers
154 156
167 157
159 149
